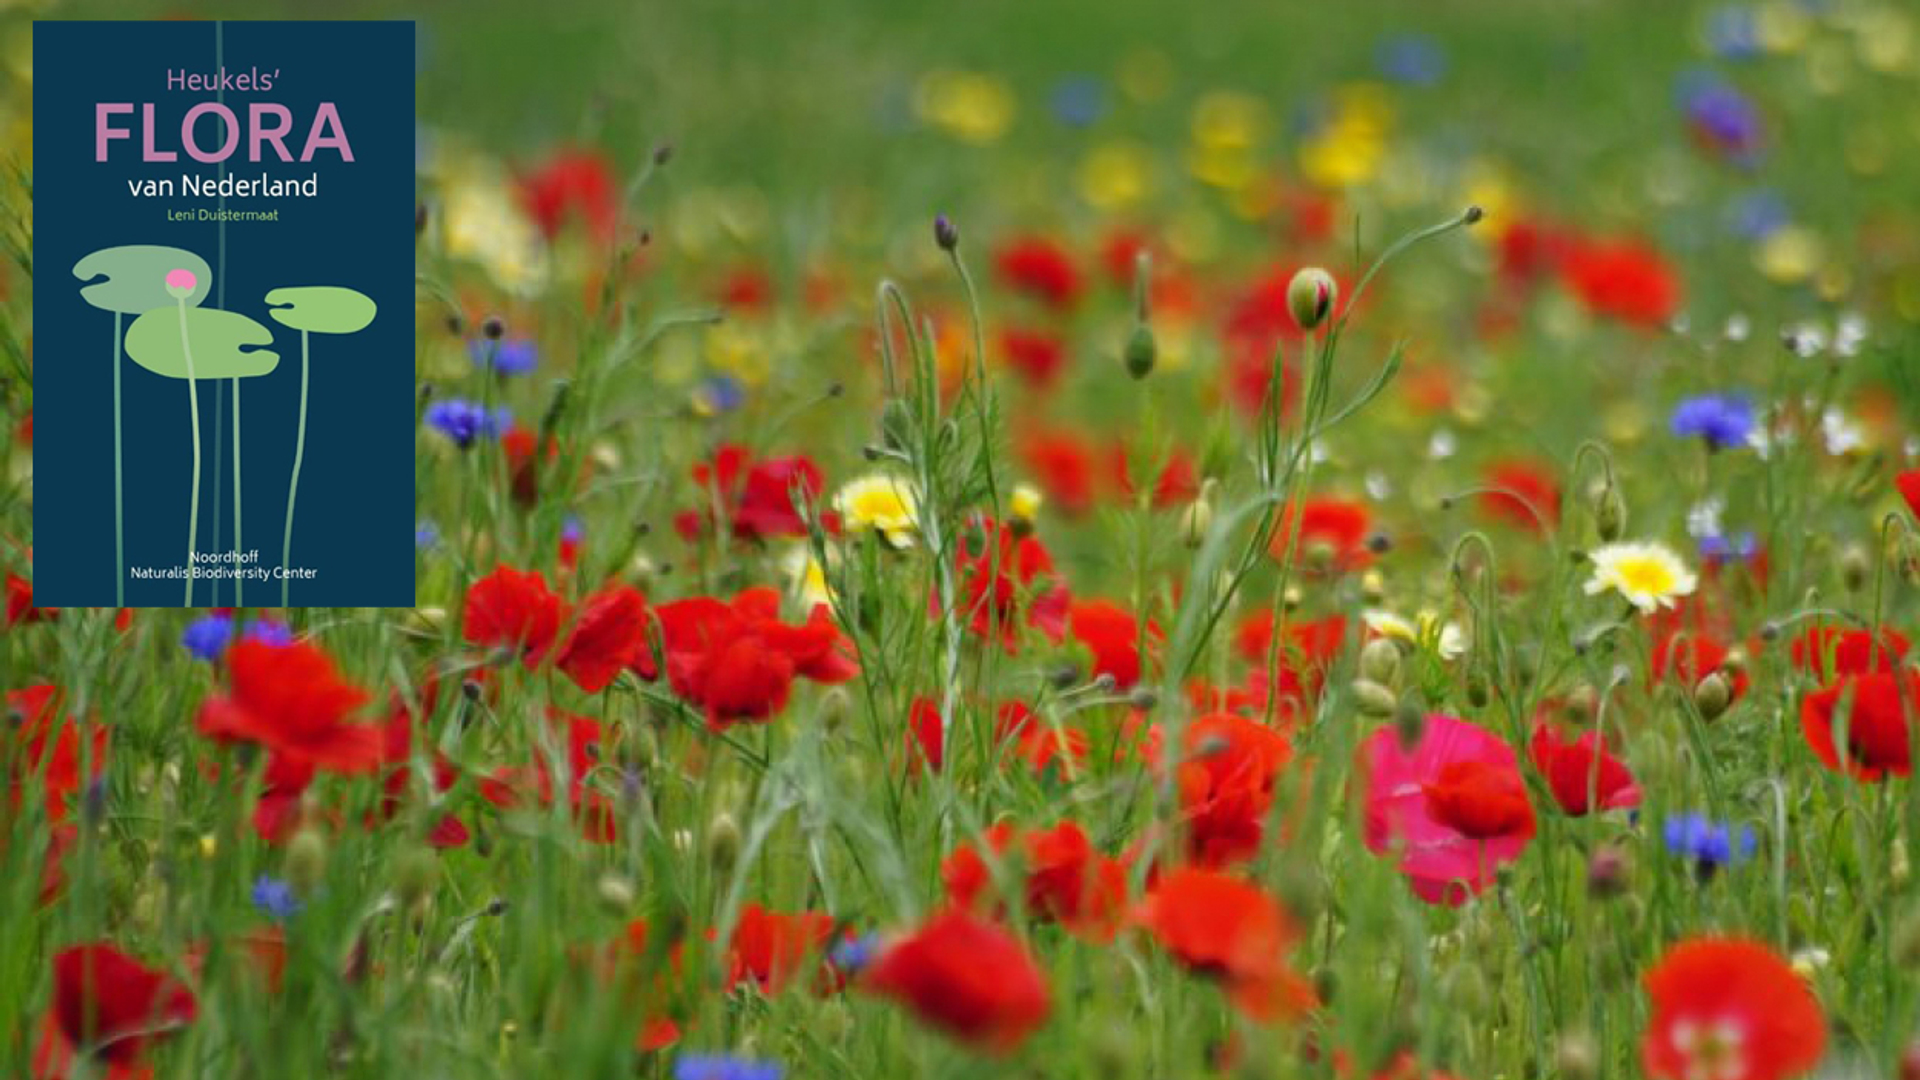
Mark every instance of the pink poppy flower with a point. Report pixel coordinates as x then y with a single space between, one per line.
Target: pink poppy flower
1454 809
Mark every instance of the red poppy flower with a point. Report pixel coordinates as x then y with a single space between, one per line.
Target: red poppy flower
20 609
1452 809
967 977
1066 879
1523 494
1729 1010
1582 774
1226 783
1004 576
1310 646
1041 269
112 1007
926 735
291 700
1689 657
738 661
572 184
1879 709
513 609
525 460
1830 652
1529 250
1328 534
771 948
1063 466
1624 280
644 969
1038 355
757 498
46 746
1908 484
1230 931
609 636
586 750
1112 635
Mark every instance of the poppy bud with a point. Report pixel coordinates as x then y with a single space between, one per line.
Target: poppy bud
1609 873
835 706
306 860
1410 723
493 329
1380 661
1143 699
1197 519
1478 692
946 233
1310 296
1141 351
1576 1056
1374 699
1855 566
615 893
1373 587
1609 513
723 841
1712 695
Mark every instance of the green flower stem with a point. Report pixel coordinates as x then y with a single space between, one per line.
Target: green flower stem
119 528
193 408
237 601
293 485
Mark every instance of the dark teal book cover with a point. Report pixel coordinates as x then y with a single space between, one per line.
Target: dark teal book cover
223 314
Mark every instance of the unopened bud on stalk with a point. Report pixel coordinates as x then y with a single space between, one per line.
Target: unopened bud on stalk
1373 586
946 233
1311 296
1609 873
723 841
1478 692
1609 513
1374 699
615 893
1380 661
1712 695
1855 567
1576 1056
1141 351
1410 723
415 874
306 860
1197 519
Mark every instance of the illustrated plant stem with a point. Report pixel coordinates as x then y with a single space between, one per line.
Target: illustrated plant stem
119 529
293 485
237 600
193 409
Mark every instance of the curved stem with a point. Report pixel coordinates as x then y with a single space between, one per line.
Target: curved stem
193 409
119 528
237 599
293 485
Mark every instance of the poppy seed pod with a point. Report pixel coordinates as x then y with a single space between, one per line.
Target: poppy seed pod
1141 351
1310 296
1712 695
1373 698
1380 661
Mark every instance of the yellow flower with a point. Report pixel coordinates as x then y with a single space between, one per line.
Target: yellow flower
1649 575
1026 502
1115 176
1350 149
970 106
806 577
481 223
884 503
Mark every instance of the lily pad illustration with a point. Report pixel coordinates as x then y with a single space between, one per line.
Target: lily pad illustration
201 343
135 283
312 309
321 309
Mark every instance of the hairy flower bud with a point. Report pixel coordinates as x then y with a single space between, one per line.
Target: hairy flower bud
1141 351
1380 661
1374 699
1311 296
1712 695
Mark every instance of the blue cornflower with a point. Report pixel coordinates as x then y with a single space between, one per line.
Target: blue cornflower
1723 117
722 1067
1413 59
1729 547
275 897
853 954
269 632
1723 420
206 637
571 531
426 535
1078 100
510 356
465 421
718 394
1707 843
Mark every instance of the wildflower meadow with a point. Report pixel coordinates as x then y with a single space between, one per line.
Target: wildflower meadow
1046 540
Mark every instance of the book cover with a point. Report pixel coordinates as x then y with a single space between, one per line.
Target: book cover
223 314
